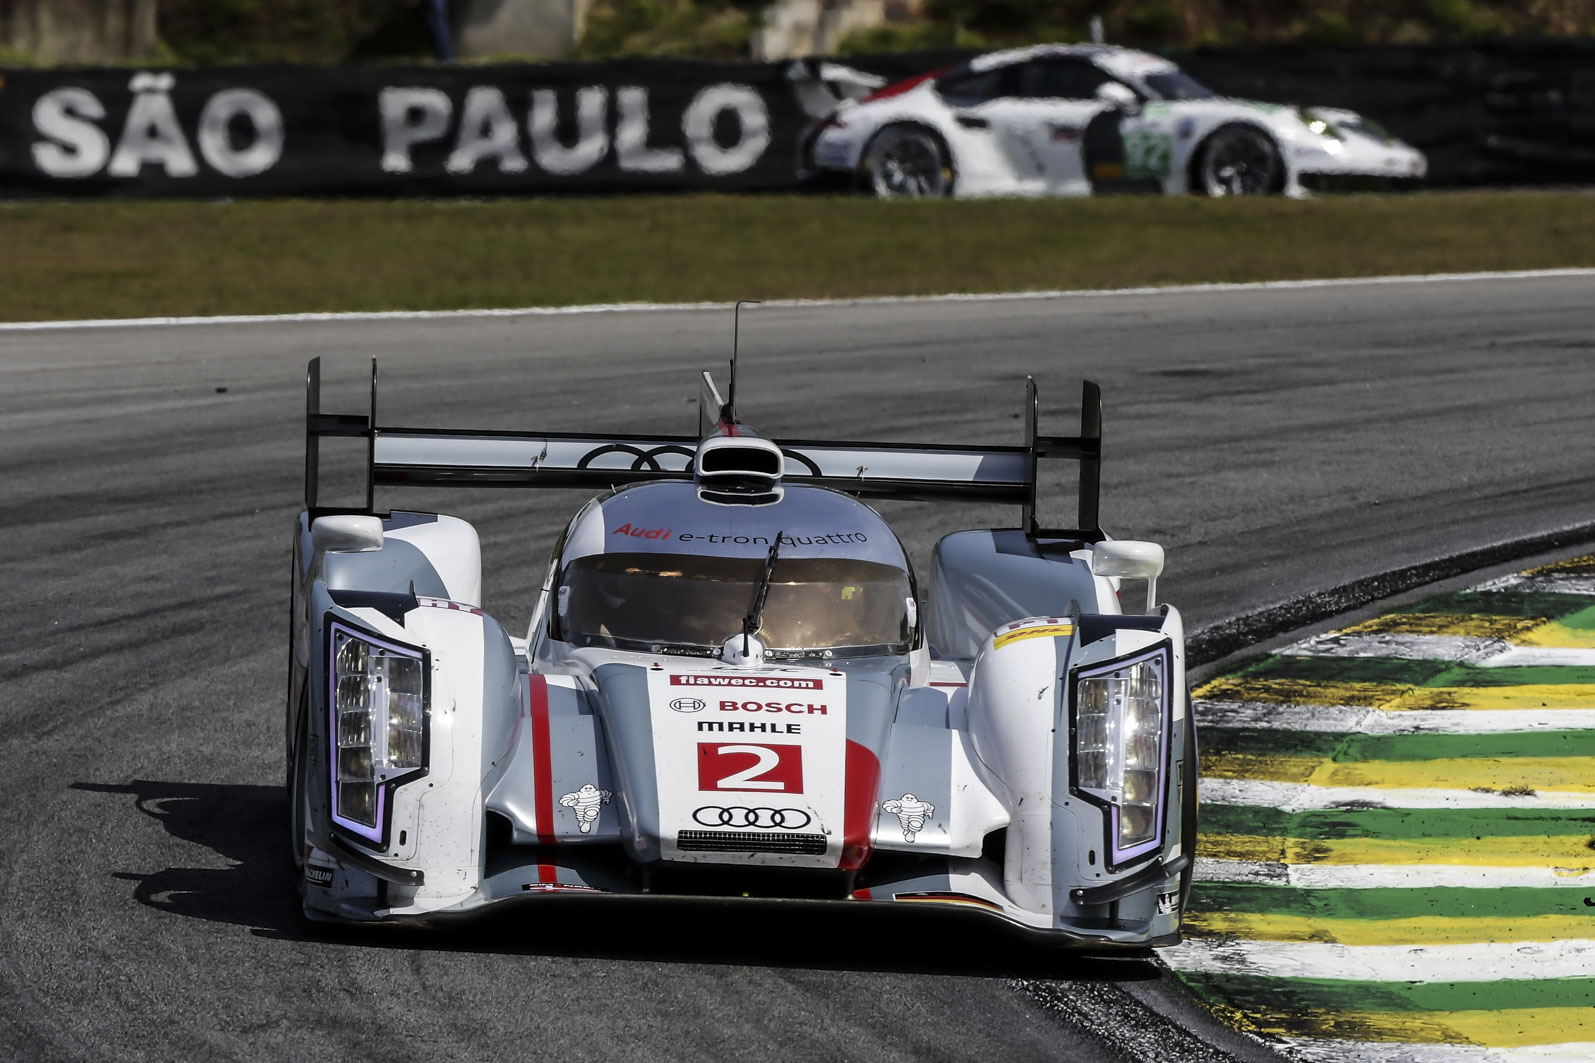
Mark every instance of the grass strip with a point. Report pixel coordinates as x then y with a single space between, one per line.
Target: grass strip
1419 673
1391 903
134 259
1354 747
1309 995
1398 823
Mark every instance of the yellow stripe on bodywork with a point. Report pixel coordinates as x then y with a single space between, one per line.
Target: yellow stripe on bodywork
1043 631
1565 852
1391 698
1423 930
1509 1028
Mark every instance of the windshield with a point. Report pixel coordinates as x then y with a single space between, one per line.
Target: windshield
815 605
1177 85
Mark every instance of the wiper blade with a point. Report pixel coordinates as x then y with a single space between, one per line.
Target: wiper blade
750 623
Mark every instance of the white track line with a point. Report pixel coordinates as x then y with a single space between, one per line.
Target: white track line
1314 1050
1350 719
892 300
1382 876
1483 962
1296 797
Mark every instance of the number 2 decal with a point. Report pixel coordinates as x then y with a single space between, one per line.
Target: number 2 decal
767 769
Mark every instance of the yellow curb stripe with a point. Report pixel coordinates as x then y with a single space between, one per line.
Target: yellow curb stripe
1525 631
1511 1028
1567 853
1389 698
1420 930
1511 774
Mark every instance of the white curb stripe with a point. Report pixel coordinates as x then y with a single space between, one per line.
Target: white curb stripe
1387 963
1466 649
890 300
1312 1050
1386 876
1547 582
1296 797
1348 719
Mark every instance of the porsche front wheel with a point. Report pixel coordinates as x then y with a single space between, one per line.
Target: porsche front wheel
905 161
1239 161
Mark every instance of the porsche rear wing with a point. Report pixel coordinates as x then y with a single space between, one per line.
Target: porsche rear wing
441 457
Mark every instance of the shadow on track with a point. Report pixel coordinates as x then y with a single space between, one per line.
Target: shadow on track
246 825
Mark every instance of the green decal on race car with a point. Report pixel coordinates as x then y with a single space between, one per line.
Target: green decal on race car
1147 153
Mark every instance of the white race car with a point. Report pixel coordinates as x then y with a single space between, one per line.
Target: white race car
1077 119
728 688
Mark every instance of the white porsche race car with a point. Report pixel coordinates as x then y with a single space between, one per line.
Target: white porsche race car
729 687
1077 119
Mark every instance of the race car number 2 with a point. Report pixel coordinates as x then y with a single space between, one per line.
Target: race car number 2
759 769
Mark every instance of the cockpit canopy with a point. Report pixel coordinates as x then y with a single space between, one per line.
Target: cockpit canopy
655 568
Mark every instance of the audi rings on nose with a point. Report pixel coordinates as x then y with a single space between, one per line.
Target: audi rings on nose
766 818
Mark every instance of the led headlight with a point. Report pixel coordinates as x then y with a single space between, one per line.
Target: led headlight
1317 123
377 708
1120 730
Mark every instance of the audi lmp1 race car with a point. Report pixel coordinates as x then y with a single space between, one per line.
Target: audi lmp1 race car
1077 119
732 686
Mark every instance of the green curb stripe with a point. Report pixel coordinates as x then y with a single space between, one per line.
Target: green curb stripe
1525 604
1396 824
1356 747
1385 903
1314 995
1401 673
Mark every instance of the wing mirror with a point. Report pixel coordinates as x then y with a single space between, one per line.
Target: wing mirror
346 533
1120 97
1130 559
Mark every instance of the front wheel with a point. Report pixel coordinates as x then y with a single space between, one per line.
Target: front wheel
907 161
299 789
1239 160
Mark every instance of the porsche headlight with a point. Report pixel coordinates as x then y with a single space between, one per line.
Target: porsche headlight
377 705
1317 123
1120 727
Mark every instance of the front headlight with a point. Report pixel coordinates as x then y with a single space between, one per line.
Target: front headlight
1120 730
1317 123
377 722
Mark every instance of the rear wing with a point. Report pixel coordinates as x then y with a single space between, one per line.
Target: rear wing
442 457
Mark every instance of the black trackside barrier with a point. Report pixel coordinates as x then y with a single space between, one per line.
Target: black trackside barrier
413 457
1510 112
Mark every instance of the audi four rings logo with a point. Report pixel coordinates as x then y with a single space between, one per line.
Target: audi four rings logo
767 818
688 705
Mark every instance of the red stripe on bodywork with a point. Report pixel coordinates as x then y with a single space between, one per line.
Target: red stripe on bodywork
863 779
542 760
547 874
861 895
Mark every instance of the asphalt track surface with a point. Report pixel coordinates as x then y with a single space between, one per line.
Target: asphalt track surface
1276 442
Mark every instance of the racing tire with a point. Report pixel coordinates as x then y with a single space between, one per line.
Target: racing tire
1188 807
1238 160
906 161
299 788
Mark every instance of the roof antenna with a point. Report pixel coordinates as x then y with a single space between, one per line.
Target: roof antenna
736 328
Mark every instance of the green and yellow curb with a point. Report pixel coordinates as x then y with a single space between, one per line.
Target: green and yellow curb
1397 852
